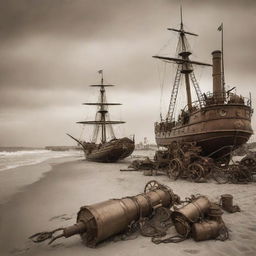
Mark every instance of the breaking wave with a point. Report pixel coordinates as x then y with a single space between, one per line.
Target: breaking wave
23 152
9 160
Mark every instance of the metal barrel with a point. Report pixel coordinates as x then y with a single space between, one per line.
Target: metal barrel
190 213
227 202
99 221
206 230
194 210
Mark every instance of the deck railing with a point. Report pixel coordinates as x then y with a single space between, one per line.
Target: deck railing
211 99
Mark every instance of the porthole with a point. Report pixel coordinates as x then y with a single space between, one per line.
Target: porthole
222 112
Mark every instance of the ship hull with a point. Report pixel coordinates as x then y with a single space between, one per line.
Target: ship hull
217 129
112 151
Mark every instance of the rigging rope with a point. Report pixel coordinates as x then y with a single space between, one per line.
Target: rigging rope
96 128
162 81
109 127
81 134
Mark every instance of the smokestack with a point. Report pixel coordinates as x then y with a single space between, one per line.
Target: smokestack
216 73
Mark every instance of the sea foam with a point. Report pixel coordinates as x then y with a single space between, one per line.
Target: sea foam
9 160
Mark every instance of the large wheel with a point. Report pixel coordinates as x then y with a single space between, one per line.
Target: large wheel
249 162
195 172
151 186
175 169
240 174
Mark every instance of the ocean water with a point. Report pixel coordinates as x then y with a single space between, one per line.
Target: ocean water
13 159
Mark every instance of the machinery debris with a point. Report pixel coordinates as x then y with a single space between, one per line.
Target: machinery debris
100 221
150 214
184 160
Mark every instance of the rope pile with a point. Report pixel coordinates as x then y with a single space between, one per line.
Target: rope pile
197 218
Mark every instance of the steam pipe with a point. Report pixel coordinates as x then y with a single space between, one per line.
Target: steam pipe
217 76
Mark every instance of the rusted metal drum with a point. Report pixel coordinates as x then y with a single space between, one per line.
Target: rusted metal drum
194 210
111 217
190 213
206 230
227 202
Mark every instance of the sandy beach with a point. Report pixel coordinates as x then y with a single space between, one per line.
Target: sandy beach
54 197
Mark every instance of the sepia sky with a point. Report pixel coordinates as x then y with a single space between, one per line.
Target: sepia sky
51 50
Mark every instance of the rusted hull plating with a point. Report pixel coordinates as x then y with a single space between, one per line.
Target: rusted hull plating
211 130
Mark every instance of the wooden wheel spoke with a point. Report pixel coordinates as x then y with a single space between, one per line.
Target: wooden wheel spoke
175 168
196 171
248 162
151 185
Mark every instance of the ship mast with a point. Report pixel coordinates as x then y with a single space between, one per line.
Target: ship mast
102 110
221 28
185 68
102 113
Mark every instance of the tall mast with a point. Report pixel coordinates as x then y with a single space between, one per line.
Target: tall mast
102 117
102 109
185 67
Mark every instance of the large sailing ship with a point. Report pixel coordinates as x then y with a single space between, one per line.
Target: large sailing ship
107 150
218 122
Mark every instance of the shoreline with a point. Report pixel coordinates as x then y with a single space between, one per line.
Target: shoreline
54 200
13 180
15 157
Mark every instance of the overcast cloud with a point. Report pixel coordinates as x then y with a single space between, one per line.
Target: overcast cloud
50 50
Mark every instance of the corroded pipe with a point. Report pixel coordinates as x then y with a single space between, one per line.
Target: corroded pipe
216 75
99 221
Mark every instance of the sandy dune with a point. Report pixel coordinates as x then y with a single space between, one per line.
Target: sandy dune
54 200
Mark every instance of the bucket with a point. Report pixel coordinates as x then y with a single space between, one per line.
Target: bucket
226 202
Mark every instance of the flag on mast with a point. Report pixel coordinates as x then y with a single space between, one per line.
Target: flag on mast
220 27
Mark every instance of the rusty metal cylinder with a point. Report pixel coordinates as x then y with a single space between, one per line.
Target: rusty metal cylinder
227 202
190 213
216 73
194 210
111 217
206 230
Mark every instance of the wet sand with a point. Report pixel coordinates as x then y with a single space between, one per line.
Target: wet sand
13 180
55 198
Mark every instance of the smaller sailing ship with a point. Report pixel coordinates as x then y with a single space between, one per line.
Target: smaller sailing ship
105 151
